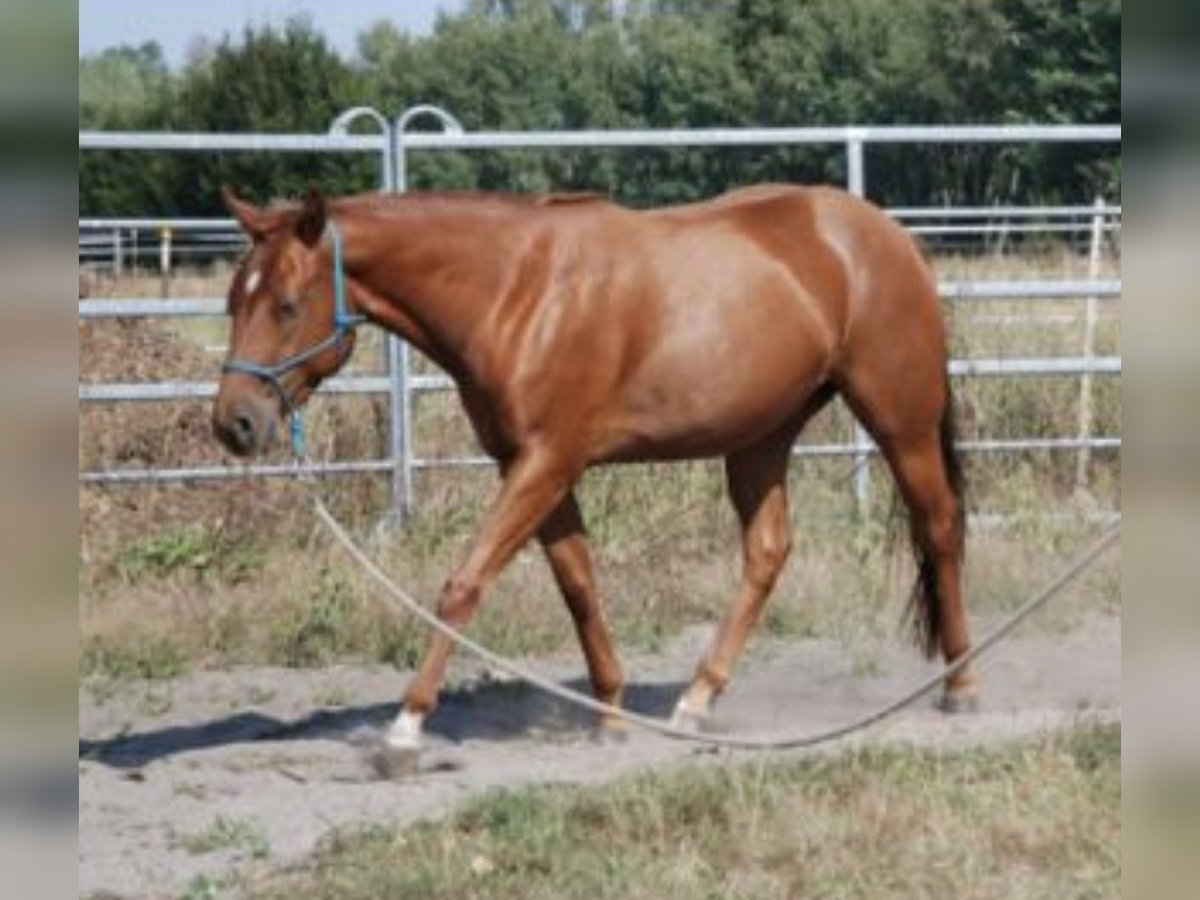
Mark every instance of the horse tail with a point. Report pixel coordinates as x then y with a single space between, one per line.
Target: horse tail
925 608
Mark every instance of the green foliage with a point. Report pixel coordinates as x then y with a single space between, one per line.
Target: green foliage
163 554
319 632
151 657
200 551
228 834
285 80
201 887
559 64
117 88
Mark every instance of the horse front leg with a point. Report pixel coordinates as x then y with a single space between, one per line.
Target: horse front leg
534 484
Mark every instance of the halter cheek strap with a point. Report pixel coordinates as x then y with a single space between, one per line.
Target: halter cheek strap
343 323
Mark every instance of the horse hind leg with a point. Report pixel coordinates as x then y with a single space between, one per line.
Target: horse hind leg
929 484
915 432
757 480
757 486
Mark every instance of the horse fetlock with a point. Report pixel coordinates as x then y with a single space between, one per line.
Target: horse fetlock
960 694
611 730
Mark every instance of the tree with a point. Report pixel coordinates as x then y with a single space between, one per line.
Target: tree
579 64
122 86
272 80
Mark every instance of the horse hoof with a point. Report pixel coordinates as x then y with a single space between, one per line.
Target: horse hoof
395 762
610 735
959 703
687 719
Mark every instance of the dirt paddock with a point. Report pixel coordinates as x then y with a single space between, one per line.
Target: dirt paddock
219 774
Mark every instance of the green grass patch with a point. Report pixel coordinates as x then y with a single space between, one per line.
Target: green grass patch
199 551
123 657
228 834
1037 819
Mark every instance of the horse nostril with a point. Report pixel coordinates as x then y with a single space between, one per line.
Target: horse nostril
243 431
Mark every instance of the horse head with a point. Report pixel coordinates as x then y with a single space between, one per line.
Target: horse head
290 327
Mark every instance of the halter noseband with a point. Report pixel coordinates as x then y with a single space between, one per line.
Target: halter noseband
343 323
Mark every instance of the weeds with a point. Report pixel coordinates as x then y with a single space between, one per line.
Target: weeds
202 887
150 657
228 834
317 635
161 555
199 551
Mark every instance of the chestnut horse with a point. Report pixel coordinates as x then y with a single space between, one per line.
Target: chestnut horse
580 333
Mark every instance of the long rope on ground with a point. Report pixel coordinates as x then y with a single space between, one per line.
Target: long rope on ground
401 602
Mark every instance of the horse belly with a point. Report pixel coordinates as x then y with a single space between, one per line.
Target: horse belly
717 393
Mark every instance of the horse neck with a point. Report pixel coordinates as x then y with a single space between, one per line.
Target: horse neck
428 268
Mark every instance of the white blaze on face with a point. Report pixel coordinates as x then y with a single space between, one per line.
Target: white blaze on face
252 281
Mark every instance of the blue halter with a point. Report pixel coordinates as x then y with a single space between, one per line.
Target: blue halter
343 323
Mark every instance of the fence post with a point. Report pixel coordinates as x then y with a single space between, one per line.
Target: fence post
1084 459
164 260
118 256
856 183
399 353
400 395
396 358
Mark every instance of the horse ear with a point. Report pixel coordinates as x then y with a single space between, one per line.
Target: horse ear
311 224
254 221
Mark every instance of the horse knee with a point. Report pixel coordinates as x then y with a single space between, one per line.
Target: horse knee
459 598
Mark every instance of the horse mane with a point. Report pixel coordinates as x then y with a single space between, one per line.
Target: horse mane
568 198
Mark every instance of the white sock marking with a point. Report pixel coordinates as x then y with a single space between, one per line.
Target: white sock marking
406 730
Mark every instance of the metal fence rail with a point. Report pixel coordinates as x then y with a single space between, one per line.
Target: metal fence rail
113 244
591 139
137 307
904 213
382 385
400 384
141 392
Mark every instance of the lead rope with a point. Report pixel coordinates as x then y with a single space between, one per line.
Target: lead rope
400 602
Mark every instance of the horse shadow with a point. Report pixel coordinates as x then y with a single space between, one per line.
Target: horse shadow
492 711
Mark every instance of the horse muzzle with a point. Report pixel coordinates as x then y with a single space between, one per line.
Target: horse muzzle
245 426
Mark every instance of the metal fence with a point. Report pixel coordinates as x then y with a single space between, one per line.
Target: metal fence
400 384
114 246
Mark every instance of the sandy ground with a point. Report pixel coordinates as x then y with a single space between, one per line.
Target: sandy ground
286 752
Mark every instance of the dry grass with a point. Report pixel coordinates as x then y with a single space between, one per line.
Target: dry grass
183 576
1033 820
